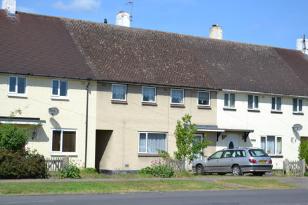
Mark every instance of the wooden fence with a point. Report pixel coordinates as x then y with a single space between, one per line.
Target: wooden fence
294 168
56 163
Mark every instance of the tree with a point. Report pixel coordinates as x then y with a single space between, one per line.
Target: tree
187 146
12 138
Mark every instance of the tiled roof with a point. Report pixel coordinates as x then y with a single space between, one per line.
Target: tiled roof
80 49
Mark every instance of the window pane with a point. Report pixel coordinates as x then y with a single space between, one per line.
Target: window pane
142 142
149 94
156 142
263 143
69 142
250 101
232 100
56 138
55 87
63 88
177 96
226 100
300 105
227 154
216 155
273 103
270 148
279 103
279 145
295 104
12 84
256 102
118 92
21 86
204 98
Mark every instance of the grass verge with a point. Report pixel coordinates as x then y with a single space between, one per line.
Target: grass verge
81 187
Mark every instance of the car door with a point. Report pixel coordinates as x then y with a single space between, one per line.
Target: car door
212 163
226 161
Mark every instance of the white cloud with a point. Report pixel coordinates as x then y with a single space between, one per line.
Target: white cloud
79 5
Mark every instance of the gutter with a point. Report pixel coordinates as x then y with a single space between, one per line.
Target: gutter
87 124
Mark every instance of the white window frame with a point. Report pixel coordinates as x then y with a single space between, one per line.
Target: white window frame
15 93
59 89
253 102
146 141
229 101
183 91
205 91
297 107
155 94
61 142
276 97
276 147
122 100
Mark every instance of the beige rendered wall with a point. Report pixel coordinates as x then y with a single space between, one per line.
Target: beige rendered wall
71 115
126 120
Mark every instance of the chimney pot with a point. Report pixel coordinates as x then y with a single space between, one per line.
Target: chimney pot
9 6
216 32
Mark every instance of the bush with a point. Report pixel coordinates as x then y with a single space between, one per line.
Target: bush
303 151
12 138
22 164
70 171
158 170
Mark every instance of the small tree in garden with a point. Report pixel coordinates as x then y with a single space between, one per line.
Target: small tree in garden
13 138
188 147
303 151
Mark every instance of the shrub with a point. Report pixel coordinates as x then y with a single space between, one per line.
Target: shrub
22 164
303 151
158 170
70 171
12 138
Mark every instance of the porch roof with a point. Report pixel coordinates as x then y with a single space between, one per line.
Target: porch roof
21 120
215 128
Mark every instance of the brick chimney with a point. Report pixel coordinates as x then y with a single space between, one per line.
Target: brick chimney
216 32
302 45
123 19
9 6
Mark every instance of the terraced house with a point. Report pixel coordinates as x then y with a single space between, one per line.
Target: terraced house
109 96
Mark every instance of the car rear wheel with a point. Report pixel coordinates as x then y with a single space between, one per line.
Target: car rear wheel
199 169
236 170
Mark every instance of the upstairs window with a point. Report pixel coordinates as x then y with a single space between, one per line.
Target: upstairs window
59 88
253 102
17 85
177 96
119 92
63 141
148 94
204 98
276 104
229 100
297 105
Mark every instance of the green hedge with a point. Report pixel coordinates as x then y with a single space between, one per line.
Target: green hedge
158 170
303 151
22 164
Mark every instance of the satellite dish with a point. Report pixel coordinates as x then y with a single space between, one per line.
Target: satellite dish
53 111
297 127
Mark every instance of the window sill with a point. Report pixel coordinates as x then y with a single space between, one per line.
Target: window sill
253 110
229 109
14 95
123 102
298 113
64 154
276 112
205 107
149 103
56 98
177 105
276 156
148 155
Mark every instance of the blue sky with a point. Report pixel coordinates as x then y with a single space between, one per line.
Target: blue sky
267 22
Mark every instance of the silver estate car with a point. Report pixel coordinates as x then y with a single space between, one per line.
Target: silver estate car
236 161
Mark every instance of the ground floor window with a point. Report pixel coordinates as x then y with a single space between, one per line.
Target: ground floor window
152 143
64 141
272 145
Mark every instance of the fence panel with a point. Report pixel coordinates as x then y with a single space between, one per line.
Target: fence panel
294 168
56 163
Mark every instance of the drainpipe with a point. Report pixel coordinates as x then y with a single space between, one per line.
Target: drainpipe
87 124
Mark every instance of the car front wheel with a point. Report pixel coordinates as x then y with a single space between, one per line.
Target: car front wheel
199 169
236 170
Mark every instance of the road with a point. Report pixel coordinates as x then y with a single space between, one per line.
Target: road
281 197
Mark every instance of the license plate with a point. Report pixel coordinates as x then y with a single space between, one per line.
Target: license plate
262 161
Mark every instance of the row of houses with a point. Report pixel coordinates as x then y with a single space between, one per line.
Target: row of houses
109 96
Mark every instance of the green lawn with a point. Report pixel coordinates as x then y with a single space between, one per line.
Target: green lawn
62 187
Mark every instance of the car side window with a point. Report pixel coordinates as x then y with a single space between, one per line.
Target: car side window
239 153
228 154
216 155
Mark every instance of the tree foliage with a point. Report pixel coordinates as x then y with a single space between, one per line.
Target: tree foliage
303 151
13 138
187 146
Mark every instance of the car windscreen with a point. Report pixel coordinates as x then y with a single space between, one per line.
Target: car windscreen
257 153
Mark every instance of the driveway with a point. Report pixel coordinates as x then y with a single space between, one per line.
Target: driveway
278 197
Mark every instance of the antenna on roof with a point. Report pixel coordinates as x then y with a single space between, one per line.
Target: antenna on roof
304 43
130 3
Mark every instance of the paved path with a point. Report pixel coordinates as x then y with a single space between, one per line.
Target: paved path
277 197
